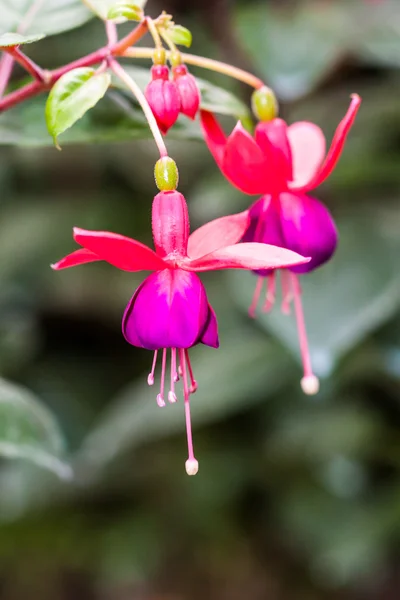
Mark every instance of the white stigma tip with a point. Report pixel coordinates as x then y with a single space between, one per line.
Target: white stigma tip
150 379
191 466
160 401
310 385
193 387
171 397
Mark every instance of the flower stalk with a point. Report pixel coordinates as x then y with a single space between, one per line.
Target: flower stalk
141 98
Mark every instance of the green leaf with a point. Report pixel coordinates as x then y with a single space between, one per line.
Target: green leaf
125 10
180 35
72 96
117 118
15 39
45 16
103 7
344 300
28 431
295 47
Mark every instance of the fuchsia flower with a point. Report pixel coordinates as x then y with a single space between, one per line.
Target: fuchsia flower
283 163
188 91
163 97
170 309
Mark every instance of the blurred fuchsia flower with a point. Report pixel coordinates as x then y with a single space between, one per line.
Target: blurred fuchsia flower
283 163
170 309
163 97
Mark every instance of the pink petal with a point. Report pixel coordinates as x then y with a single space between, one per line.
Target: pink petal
245 164
221 232
118 250
79 257
214 135
335 150
249 255
271 136
308 146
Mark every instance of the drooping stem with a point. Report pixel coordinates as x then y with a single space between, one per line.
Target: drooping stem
141 98
205 63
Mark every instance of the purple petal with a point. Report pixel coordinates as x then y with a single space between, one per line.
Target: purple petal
169 310
210 335
265 225
307 228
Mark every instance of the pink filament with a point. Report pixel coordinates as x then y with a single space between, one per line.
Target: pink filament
270 296
160 396
287 292
171 393
150 378
301 326
186 395
256 297
193 382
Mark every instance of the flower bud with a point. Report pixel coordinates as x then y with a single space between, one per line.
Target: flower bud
264 104
163 97
166 174
188 91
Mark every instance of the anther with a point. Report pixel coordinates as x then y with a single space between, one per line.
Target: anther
191 466
310 385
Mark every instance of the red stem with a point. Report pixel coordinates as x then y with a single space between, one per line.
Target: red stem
27 63
50 77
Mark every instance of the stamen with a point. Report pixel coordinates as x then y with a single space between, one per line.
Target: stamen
256 297
309 383
270 296
150 378
193 382
160 396
171 393
191 465
287 293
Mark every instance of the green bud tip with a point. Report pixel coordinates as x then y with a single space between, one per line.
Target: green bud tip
159 56
264 104
166 174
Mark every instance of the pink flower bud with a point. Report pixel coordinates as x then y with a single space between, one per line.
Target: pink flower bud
188 91
163 97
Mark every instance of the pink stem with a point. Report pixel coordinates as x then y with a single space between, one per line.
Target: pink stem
6 65
29 65
36 87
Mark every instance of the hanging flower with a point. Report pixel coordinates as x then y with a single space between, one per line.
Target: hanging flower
188 89
170 309
283 163
163 97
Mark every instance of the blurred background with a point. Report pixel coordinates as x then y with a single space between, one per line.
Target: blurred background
297 498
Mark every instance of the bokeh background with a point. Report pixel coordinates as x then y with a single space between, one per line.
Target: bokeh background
297 498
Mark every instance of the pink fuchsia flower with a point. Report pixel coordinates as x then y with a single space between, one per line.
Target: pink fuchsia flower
283 163
170 309
188 91
163 97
